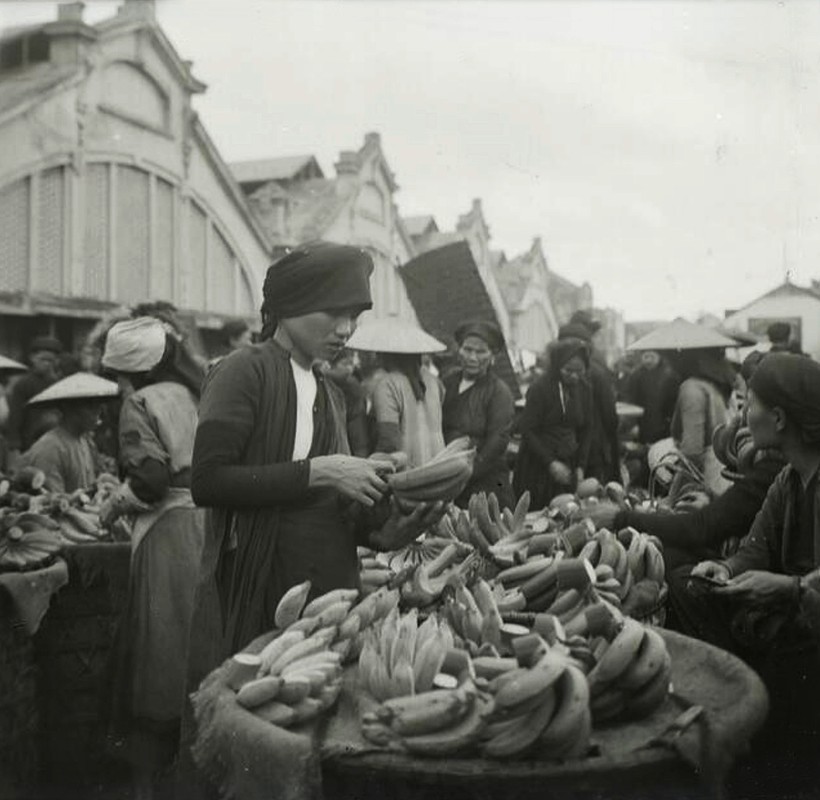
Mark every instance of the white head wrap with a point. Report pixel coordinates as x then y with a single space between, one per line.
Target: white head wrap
135 345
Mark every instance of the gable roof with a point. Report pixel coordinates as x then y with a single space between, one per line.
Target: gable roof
274 169
446 290
32 84
785 289
420 225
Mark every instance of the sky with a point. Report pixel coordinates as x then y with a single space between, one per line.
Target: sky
666 152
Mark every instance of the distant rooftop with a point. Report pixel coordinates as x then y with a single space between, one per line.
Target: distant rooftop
285 168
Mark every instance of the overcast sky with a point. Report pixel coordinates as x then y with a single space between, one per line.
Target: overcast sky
666 152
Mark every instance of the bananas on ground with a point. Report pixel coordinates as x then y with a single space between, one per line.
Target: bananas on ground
631 676
27 541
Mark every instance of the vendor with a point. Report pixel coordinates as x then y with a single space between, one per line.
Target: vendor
408 397
478 404
161 385
271 459
67 454
556 425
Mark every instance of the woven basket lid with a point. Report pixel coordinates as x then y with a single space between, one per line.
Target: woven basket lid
9 364
682 335
80 386
393 335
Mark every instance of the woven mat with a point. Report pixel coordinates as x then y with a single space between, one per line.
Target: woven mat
718 705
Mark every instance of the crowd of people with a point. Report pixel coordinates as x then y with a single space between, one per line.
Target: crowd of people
249 473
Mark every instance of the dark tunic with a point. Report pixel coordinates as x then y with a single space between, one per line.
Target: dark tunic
266 529
656 391
604 456
484 412
550 433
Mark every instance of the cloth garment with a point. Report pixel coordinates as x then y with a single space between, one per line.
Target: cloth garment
157 424
360 433
654 390
68 461
604 452
135 345
26 424
419 421
483 411
319 277
305 382
694 536
31 592
792 383
551 433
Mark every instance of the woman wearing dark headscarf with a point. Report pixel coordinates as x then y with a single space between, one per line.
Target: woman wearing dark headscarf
478 404
272 459
555 425
160 383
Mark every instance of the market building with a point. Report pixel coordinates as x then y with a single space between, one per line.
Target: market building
295 203
111 190
797 305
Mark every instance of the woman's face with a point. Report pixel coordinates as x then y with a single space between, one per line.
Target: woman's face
321 335
475 356
766 424
573 371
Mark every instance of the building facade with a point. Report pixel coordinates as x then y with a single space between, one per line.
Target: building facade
111 191
295 203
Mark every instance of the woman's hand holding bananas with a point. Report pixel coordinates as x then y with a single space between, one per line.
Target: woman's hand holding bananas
120 502
356 478
402 527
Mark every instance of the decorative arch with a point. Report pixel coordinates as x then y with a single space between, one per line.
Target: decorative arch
132 93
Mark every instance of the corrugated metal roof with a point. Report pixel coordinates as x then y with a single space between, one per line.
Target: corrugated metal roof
271 169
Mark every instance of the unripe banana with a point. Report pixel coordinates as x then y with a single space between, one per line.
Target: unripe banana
635 556
319 641
650 658
517 739
573 706
517 687
643 702
458 738
258 692
317 606
430 712
289 608
654 566
278 647
294 689
618 656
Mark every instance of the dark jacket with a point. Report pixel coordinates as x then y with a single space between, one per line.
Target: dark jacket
484 412
654 390
771 543
604 456
27 424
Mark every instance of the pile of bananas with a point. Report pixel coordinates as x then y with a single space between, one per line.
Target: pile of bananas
472 612
631 676
442 478
540 707
27 541
399 657
437 723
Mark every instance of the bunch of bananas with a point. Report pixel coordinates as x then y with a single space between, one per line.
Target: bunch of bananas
442 478
437 723
540 707
399 657
474 616
374 571
631 676
27 541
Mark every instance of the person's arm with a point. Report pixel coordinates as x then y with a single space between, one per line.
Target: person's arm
387 409
500 411
228 415
530 423
585 396
756 549
50 461
692 408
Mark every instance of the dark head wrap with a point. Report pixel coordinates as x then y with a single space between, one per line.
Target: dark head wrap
750 364
564 350
575 330
791 382
585 318
486 331
779 332
45 343
320 276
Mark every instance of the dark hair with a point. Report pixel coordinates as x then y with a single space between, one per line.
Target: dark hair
779 332
409 365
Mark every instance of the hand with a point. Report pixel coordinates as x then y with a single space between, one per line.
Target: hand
692 501
579 474
110 510
560 472
760 588
353 477
714 570
403 527
603 515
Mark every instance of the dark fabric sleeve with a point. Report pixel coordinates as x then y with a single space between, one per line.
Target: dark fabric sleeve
500 412
19 395
529 424
586 429
388 437
758 550
227 420
150 480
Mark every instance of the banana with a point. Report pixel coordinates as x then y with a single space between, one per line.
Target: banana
513 576
427 663
276 713
490 667
294 689
367 608
517 739
520 513
318 679
591 551
317 606
243 668
565 602
517 687
635 556
445 489
618 656
379 734
278 647
621 567
608 705
650 658
256 693
319 641
512 601
329 694
609 550
324 659
577 746
540 583
643 702
434 472
603 572
654 567
289 608
427 712
334 614
306 709
401 679
350 626
458 738
571 715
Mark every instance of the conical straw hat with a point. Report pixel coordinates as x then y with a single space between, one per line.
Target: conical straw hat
682 335
80 386
8 364
393 335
